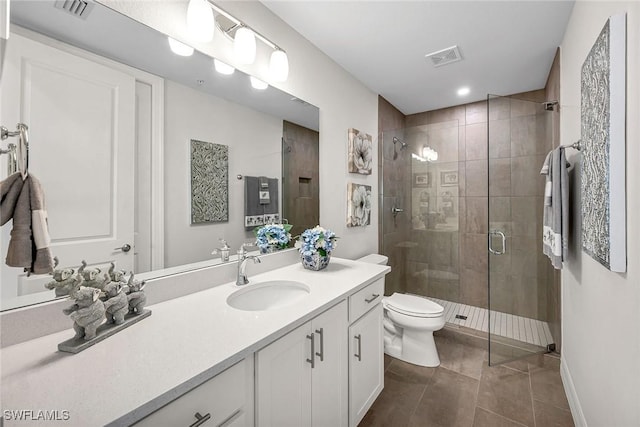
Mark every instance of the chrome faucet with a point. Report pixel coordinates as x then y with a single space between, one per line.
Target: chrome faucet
242 265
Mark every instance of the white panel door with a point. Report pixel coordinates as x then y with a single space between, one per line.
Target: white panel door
366 364
329 378
283 381
81 118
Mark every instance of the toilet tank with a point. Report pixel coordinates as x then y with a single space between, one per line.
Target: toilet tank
374 259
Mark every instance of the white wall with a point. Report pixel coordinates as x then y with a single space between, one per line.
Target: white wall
254 141
600 309
344 102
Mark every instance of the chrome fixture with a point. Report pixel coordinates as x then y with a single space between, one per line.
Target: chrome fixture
576 145
403 144
395 211
18 154
242 265
499 233
549 105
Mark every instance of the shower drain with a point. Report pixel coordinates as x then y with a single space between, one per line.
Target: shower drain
461 317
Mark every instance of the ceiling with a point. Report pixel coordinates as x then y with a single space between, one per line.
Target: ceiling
507 46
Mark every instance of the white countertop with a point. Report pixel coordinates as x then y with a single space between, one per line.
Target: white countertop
186 341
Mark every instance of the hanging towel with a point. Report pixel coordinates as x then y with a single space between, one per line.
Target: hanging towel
10 189
29 243
555 224
260 208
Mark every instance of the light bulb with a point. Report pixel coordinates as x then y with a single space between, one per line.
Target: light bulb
200 20
244 46
279 66
256 83
464 91
223 68
180 48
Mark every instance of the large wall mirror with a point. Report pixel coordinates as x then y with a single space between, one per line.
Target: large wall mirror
112 112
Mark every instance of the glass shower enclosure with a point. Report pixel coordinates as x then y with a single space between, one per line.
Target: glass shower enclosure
461 214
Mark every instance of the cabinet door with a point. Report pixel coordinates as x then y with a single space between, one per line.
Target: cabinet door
283 381
329 377
366 372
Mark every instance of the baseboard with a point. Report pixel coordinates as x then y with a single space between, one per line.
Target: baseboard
574 403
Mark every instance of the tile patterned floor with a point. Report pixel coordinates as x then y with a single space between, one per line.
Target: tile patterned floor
465 392
503 324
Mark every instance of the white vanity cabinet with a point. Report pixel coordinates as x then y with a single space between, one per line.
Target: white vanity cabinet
223 401
366 353
301 379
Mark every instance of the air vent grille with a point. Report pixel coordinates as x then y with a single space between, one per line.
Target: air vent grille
79 8
444 56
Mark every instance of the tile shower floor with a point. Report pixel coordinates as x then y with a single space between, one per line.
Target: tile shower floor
465 392
506 325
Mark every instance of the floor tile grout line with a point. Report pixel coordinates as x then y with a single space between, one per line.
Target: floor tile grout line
554 406
424 390
501 416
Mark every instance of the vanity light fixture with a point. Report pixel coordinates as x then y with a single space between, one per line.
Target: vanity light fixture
223 68
244 43
256 83
200 20
180 48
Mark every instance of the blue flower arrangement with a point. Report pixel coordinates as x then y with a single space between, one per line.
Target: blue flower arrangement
317 240
273 236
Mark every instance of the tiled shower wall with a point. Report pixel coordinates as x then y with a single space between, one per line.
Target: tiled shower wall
394 191
522 280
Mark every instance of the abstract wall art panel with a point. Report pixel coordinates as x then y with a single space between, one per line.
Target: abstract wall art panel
360 152
358 205
209 182
603 141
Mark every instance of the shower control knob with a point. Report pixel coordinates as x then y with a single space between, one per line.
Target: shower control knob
124 248
395 210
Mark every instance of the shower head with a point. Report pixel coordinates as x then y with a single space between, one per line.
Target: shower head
403 144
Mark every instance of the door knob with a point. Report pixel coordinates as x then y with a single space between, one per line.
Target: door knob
124 248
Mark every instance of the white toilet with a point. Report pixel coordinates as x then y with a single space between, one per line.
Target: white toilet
409 323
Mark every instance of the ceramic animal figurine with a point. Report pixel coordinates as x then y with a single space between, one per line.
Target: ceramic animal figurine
65 281
137 298
90 276
116 275
117 303
87 313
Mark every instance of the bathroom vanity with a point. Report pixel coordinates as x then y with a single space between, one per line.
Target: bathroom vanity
199 361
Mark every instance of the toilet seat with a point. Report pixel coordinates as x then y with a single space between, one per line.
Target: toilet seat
412 305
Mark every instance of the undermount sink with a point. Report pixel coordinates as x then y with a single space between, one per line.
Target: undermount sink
269 295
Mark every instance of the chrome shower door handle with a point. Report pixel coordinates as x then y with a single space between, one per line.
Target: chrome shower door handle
503 239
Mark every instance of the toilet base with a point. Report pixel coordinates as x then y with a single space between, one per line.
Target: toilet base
416 348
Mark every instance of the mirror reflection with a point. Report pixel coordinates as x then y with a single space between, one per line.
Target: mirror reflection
112 112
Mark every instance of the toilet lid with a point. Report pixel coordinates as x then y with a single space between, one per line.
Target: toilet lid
413 305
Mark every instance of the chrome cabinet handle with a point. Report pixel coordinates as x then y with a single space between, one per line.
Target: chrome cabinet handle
321 354
359 353
200 419
504 242
372 299
313 351
124 248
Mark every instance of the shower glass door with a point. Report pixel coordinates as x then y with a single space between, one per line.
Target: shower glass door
519 138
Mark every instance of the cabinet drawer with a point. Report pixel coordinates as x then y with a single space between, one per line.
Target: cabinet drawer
365 299
227 398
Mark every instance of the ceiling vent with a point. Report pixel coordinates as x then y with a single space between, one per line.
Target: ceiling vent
444 56
78 8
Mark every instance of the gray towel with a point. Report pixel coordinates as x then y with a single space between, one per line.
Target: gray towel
256 212
555 224
29 244
10 189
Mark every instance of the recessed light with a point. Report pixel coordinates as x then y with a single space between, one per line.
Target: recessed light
464 91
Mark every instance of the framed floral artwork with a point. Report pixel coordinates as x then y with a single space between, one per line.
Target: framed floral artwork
448 178
358 205
422 179
360 152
